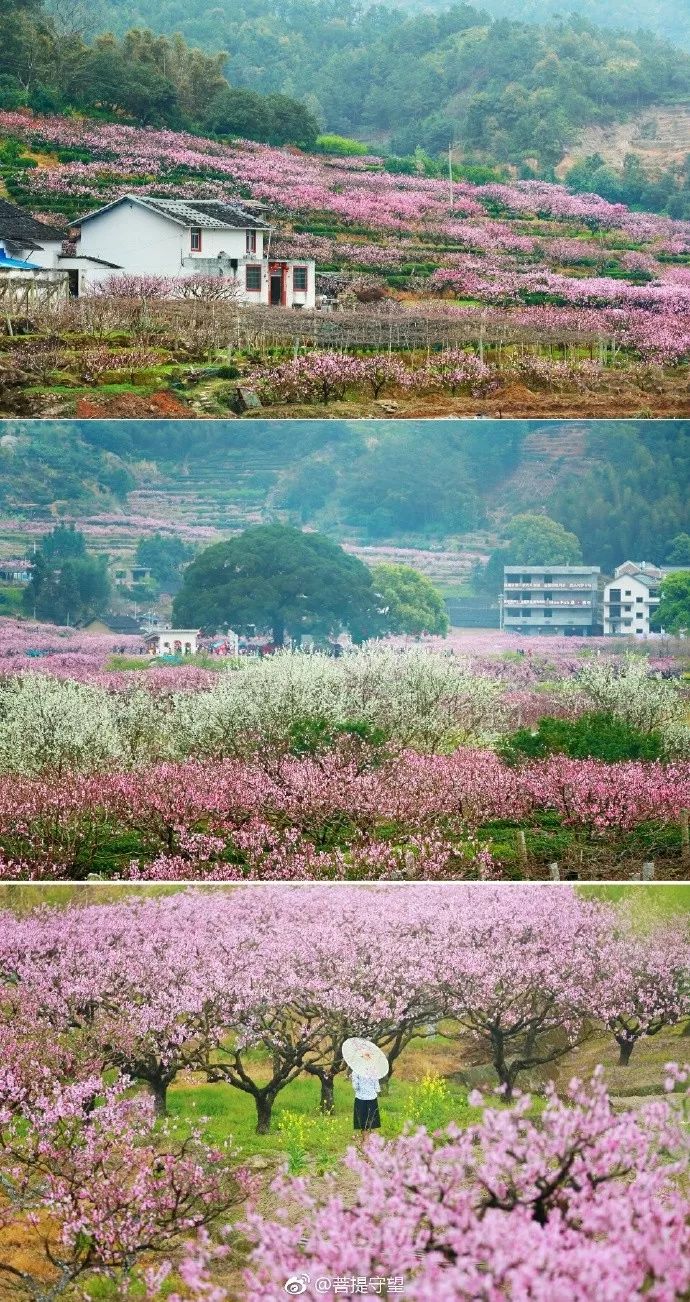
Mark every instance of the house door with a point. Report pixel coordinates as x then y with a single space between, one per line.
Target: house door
277 288
73 282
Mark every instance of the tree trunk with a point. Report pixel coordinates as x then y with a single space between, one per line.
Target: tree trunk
158 1088
264 1111
626 1047
500 1064
327 1102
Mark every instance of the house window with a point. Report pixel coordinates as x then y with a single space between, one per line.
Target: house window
526 614
299 280
251 241
253 279
195 239
548 614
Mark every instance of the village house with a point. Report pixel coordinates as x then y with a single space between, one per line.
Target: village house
632 596
127 576
172 642
15 571
34 251
144 236
24 239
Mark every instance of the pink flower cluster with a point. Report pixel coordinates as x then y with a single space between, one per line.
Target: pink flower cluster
583 1203
230 820
522 231
323 376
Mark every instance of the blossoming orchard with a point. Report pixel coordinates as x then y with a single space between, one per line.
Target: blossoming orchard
392 762
175 1116
526 286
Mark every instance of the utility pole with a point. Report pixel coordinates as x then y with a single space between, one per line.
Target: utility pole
450 173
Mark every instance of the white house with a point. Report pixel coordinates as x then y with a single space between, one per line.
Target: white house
632 596
45 247
172 642
145 236
28 240
630 599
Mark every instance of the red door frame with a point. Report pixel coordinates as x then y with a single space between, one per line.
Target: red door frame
273 270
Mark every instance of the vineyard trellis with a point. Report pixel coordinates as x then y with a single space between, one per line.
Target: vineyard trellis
24 294
225 324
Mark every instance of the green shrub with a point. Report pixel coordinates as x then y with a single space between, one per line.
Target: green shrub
595 735
343 145
313 735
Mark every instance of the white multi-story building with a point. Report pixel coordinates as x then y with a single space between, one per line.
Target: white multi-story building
632 596
551 599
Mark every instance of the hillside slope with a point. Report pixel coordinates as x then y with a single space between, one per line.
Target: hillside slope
508 88
447 485
659 136
669 19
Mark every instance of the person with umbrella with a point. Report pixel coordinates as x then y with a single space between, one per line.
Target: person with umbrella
367 1067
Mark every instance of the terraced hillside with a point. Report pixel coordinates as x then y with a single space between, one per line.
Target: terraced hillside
437 494
519 299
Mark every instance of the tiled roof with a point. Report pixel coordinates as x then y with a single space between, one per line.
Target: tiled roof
18 226
211 214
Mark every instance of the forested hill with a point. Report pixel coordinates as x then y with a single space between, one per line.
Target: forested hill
669 19
620 486
505 90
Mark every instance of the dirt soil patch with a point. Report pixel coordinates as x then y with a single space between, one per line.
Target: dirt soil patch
133 406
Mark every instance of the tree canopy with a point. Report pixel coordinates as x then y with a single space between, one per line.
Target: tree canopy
67 585
412 603
679 550
534 539
276 578
164 555
673 612
48 62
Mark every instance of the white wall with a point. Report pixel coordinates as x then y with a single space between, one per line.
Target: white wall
147 244
138 240
47 255
635 595
232 243
300 298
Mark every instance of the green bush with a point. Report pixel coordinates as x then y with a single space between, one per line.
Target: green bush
332 144
595 735
313 736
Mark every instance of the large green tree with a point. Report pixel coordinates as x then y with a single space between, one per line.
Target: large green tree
67 585
673 612
276 578
164 555
533 539
411 602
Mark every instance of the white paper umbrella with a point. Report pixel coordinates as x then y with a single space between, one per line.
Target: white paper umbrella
365 1058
